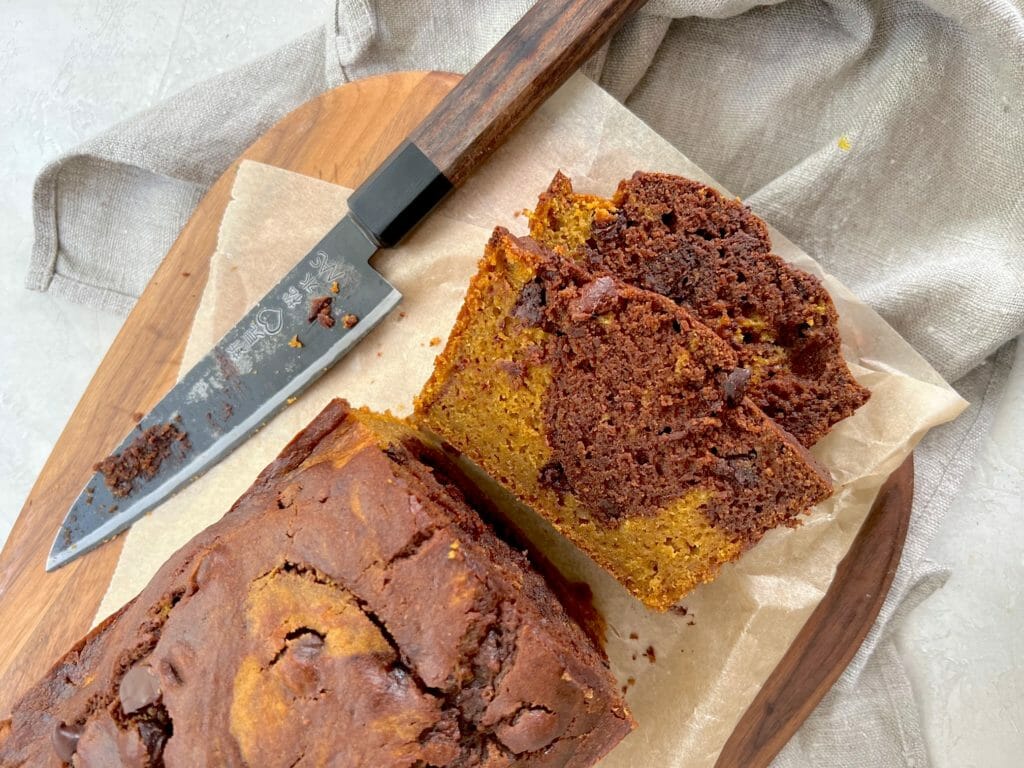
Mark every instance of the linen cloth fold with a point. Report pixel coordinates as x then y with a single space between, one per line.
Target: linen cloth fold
882 137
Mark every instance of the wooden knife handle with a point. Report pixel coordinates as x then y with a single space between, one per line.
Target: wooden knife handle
515 77
537 55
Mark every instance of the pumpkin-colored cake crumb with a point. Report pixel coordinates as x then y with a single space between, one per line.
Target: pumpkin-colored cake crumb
617 416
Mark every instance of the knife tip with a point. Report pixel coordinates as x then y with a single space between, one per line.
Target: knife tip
60 556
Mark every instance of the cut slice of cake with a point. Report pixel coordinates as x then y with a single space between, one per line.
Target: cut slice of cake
710 254
617 416
350 610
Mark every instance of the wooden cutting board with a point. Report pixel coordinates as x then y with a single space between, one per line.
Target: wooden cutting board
340 137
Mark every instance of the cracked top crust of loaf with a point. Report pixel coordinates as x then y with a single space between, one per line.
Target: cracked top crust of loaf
349 610
710 254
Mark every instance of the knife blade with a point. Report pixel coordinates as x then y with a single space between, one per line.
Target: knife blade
280 346
240 384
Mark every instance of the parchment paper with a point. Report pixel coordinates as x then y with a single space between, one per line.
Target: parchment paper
706 665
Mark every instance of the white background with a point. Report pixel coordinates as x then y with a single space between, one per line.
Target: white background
69 69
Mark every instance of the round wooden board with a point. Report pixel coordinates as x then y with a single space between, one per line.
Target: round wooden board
340 137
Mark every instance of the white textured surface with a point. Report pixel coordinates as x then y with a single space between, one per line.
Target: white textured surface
964 646
69 69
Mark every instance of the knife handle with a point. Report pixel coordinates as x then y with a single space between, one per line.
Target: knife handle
550 42
516 76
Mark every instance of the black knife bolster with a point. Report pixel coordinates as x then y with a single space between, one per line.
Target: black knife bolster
397 195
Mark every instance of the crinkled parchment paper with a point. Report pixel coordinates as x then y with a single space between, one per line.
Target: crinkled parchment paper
710 662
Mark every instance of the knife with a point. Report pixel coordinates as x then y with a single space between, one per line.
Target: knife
333 297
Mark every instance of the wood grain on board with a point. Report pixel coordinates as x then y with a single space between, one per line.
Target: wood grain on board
340 137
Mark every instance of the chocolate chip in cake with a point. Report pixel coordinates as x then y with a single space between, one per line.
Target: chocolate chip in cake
595 297
65 741
553 476
735 386
531 729
530 304
154 735
307 646
139 688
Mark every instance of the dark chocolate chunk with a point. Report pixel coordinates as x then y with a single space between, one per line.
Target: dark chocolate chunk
553 476
298 665
154 737
139 688
530 305
530 730
735 386
103 743
65 741
745 474
307 646
595 297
